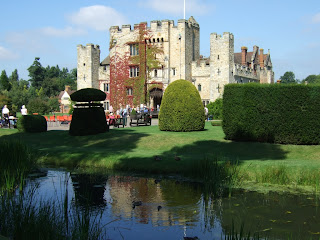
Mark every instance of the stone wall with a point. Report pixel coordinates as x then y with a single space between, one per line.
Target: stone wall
88 66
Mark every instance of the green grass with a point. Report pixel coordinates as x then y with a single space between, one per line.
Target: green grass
134 149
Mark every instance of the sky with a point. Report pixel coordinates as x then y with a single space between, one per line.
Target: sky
51 30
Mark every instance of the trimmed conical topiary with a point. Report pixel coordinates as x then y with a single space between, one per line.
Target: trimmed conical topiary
181 108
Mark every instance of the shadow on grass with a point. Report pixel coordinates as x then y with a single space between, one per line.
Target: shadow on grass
71 151
201 150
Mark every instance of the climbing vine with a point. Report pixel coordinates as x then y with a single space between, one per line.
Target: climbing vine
120 69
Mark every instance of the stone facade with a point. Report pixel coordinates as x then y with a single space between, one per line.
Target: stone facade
178 58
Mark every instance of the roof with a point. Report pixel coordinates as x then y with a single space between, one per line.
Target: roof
106 61
238 57
68 91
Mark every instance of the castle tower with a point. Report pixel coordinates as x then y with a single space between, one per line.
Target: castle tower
88 66
221 63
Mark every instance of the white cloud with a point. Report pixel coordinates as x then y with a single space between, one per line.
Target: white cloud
6 54
193 7
66 32
97 17
316 18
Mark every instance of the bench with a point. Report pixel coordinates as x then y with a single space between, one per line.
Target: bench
140 119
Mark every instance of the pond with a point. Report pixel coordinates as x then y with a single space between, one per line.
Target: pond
135 207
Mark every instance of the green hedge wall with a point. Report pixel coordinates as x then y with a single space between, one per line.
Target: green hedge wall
88 121
181 108
32 123
288 114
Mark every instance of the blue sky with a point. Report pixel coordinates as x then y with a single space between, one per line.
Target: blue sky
52 30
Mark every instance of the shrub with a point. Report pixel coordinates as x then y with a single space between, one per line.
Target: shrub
37 105
88 119
88 95
215 108
181 108
276 113
32 123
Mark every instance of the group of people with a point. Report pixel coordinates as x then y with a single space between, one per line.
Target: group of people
8 119
124 113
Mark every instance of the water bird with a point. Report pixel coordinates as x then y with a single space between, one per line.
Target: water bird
157 158
156 181
136 203
159 207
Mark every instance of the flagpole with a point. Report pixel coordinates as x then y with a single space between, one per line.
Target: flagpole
184 9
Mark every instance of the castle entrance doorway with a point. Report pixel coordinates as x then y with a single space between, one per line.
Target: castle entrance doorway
155 97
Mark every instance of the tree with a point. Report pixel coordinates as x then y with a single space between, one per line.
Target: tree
37 73
312 79
215 108
4 81
53 105
288 77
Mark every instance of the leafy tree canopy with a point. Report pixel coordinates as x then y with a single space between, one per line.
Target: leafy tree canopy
288 77
312 79
4 81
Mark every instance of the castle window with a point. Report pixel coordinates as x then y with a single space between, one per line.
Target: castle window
106 87
154 40
84 64
129 91
219 71
199 87
134 49
158 40
134 71
104 68
161 39
218 57
156 73
173 71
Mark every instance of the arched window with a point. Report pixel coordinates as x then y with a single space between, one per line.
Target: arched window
199 87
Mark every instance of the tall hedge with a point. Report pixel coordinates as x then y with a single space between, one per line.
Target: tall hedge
32 123
288 114
181 108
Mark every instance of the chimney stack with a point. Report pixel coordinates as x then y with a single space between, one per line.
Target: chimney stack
244 55
261 58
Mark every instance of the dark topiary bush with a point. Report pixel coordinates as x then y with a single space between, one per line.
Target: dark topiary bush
89 118
275 113
88 121
88 95
181 108
32 123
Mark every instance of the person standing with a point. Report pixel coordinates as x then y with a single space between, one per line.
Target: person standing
5 115
24 111
206 112
5 111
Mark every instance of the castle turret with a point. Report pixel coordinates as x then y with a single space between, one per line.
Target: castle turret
88 66
221 62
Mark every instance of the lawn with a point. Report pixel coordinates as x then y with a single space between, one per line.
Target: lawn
134 149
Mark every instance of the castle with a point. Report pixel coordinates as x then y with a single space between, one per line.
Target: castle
144 60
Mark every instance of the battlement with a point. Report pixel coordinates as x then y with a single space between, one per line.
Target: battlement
157 25
226 35
89 45
202 63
